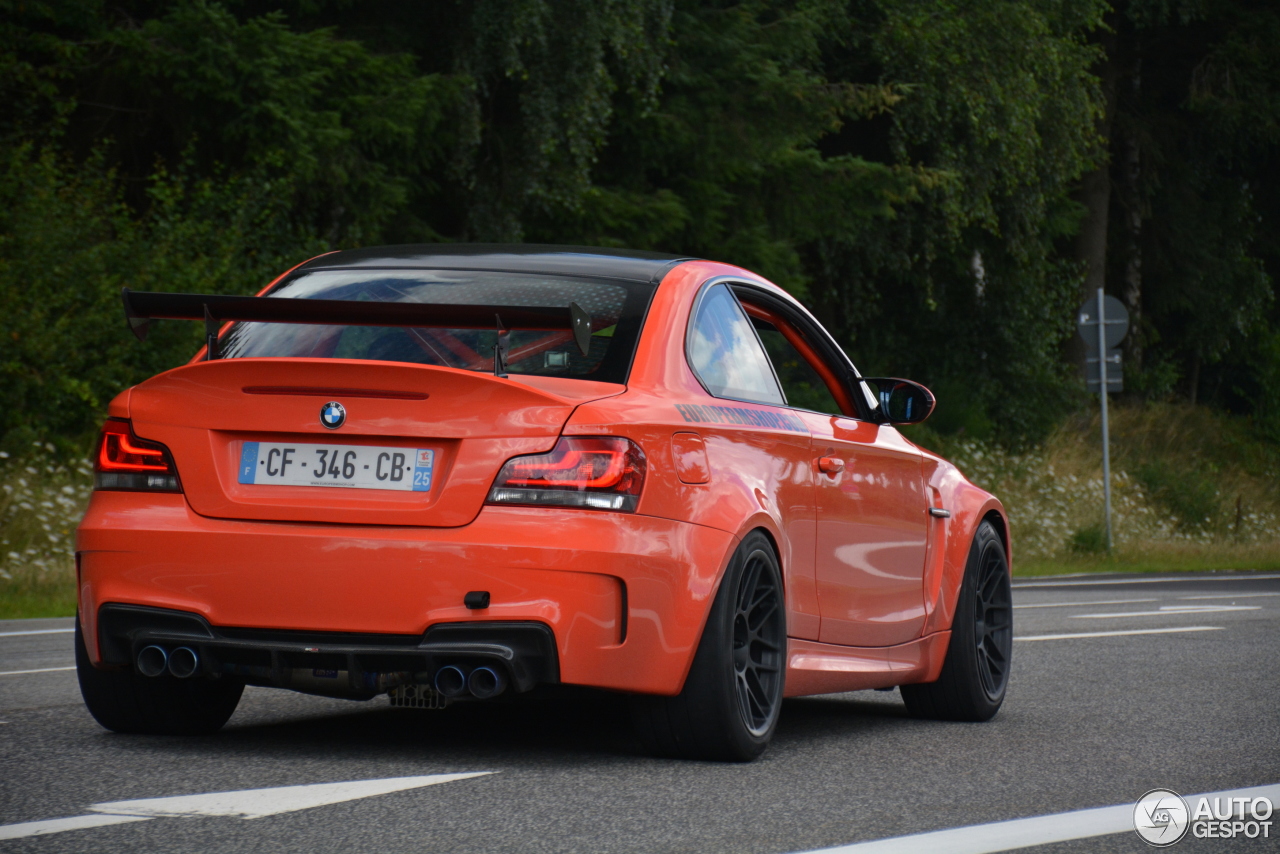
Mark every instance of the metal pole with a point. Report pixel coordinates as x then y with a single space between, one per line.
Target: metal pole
1102 385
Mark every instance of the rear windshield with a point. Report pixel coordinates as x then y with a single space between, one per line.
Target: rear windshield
616 308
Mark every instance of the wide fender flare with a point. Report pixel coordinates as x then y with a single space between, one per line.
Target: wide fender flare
757 522
970 507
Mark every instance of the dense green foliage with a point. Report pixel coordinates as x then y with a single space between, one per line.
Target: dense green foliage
909 168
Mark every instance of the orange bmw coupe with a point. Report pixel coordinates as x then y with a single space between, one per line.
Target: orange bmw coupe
449 473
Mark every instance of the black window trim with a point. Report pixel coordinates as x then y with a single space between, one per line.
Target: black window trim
818 338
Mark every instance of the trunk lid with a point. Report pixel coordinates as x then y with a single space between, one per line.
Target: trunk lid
471 422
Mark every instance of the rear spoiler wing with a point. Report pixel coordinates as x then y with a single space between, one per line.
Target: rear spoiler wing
141 307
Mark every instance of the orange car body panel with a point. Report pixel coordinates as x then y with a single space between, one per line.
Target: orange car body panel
565 568
871 578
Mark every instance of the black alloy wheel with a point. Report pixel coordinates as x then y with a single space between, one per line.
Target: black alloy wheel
759 634
993 622
732 696
975 672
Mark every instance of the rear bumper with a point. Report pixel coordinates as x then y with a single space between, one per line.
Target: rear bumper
333 663
624 596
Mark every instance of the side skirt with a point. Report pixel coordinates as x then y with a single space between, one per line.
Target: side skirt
823 668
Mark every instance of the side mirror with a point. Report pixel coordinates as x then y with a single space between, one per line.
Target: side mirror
901 401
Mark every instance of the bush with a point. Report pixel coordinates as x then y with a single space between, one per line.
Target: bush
1187 493
1091 539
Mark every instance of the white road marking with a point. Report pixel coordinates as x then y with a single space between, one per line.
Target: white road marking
58 825
1118 634
41 670
1230 596
250 803
1200 609
1085 582
1171 611
37 632
1086 604
256 803
1025 832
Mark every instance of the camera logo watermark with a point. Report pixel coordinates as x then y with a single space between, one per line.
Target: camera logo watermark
1162 818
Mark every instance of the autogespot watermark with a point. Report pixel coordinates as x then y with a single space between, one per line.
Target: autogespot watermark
1162 818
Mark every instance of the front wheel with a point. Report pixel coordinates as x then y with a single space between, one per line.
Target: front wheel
975 673
729 707
125 701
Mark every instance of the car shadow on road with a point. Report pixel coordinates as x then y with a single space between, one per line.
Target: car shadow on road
566 726
839 716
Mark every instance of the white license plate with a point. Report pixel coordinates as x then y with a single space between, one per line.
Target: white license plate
349 466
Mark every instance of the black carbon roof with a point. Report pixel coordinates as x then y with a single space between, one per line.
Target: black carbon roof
630 264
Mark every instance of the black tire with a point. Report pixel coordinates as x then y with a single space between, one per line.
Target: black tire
124 701
729 707
975 673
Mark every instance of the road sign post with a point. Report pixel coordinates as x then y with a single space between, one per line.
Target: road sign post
1103 323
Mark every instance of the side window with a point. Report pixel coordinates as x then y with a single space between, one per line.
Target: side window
802 384
725 353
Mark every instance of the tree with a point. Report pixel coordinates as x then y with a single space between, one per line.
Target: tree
1176 206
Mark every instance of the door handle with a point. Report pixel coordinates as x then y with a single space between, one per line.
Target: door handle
831 465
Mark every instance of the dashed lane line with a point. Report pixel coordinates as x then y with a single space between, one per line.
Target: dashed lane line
41 670
1120 633
1026 832
59 825
1170 611
1087 604
36 632
247 804
1229 596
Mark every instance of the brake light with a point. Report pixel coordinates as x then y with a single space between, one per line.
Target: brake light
596 472
126 462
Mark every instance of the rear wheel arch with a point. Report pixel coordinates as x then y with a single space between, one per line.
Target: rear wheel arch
728 706
765 526
777 552
725 563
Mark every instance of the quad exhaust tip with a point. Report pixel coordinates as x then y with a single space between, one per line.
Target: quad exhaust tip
455 680
183 662
451 681
485 682
152 661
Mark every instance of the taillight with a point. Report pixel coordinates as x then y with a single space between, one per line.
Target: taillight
126 462
598 472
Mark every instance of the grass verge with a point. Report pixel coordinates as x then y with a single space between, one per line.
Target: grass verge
1155 560
24 602
42 498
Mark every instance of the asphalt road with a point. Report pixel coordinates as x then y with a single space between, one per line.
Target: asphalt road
1088 722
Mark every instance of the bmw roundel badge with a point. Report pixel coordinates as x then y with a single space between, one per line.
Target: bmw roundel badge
333 415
